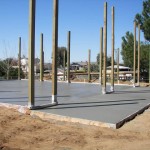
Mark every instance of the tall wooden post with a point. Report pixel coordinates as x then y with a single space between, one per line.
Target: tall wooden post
54 51
139 55
112 57
31 52
101 55
68 58
118 66
43 63
64 65
105 49
19 59
134 63
41 59
149 63
89 66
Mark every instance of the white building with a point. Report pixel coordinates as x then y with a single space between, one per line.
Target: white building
24 65
124 72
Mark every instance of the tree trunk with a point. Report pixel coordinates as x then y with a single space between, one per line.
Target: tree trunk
8 74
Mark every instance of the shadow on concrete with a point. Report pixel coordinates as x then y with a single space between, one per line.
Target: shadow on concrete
13 98
102 105
8 91
132 100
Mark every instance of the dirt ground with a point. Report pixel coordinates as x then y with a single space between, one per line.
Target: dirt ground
19 131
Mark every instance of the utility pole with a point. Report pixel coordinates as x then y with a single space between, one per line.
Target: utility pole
118 66
41 59
32 4
101 55
112 57
54 51
89 66
64 64
139 55
134 64
105 49
149 63
19 59
68 58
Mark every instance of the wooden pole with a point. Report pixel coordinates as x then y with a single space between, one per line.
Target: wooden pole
149 63
64 64
41 59
19 59
139 55
89 66
134 63
31 52
43 64
68 58
101 55
112 57
54 51
118 66
105 49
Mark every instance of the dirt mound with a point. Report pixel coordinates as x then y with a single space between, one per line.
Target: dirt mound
19 131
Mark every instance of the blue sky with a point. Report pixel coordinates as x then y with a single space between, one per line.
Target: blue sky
82 17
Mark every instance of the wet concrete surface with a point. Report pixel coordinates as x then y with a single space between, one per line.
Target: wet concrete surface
80 100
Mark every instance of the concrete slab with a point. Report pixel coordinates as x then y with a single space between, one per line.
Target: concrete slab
81 100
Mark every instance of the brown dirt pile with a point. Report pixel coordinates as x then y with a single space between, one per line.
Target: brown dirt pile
19 131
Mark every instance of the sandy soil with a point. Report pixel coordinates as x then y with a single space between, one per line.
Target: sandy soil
19 131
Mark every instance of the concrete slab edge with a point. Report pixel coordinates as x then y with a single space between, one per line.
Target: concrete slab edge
19 108
89 83
49 116
43 106
131 117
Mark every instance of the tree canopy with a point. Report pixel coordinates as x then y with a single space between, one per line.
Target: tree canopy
108 60
60 56
128 52
127 49
144 62
7 70
144 19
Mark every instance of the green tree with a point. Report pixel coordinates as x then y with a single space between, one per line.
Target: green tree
60 56
144 62
144 19
108 60
6 65
127 49
94 68
7 70
2 72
